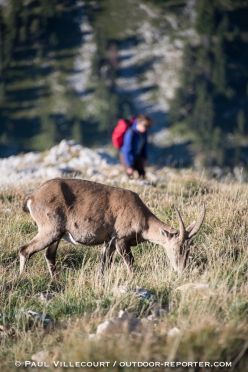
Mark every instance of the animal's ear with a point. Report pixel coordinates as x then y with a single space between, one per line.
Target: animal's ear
191 226
164 232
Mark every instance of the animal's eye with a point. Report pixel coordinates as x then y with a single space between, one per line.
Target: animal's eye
176 235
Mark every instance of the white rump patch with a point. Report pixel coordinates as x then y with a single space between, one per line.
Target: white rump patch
69 239
29 208
28 204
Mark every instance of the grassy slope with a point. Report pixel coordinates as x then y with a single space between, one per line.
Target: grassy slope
213 324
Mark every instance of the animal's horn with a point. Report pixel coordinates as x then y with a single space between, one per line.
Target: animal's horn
182 231
198 223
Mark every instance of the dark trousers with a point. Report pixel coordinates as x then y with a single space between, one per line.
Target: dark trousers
138 164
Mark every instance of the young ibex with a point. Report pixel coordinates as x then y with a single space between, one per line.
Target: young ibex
90 213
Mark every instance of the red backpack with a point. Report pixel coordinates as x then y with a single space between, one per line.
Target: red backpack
118 134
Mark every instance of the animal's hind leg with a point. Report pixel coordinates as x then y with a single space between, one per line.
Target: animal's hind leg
110 254
38 243
50 255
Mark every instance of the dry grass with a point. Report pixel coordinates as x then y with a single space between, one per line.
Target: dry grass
213 322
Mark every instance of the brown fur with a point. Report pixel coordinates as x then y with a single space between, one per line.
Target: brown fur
91 213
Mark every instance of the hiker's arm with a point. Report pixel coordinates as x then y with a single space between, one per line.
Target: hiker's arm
127 149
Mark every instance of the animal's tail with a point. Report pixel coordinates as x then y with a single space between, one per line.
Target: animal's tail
25 207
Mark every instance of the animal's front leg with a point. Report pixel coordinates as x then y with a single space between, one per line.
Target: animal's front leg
107 257
123 247
104 254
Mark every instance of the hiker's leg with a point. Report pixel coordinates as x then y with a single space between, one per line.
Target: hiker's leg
139 166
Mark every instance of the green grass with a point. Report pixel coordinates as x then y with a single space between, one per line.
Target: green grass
213 323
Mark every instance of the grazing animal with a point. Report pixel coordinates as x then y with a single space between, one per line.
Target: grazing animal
90 213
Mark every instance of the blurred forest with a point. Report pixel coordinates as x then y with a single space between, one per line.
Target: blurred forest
39 106
210 106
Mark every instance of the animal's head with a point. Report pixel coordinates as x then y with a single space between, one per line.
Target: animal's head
178 243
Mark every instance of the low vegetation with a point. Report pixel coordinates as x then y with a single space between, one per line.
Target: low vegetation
212 320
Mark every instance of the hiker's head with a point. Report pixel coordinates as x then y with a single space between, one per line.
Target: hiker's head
144 123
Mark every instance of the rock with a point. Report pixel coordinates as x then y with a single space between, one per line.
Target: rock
173 332
161 180
153 318
143 183
119 290
151 176
41 356
199 287
92 336
123 324
98 178
91 171
115 172
123 314
124 178
140 292
157 314
44 297
66 157
38 317
144 293
45 355
48 172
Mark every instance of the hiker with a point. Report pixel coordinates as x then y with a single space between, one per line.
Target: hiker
133 152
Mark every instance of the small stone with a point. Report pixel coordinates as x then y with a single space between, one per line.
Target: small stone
125 323
114 172
45 355
153 318
201 288
124 315
144 293
151 177
44 297
41 356
173 332
92 336
156 315
38 317
192 286
91 171
121 289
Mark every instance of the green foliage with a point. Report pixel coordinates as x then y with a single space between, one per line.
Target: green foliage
39 40
206 17
210 101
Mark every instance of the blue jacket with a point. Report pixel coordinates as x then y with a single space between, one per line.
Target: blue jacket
135 143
